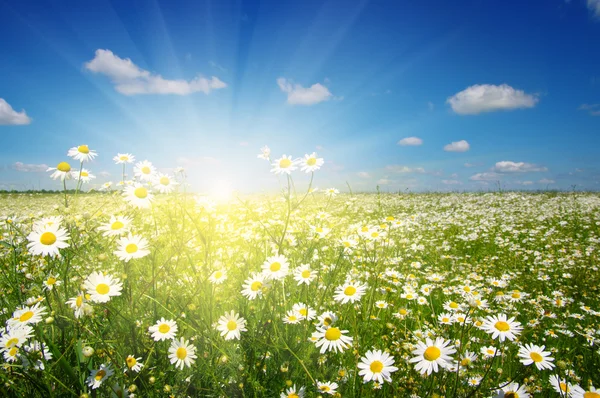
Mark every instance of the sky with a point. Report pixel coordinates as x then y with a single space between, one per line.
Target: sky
426 95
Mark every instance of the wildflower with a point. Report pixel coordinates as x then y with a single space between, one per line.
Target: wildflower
253 286
84 175
133 363
230 325
305 311
131 247
26 315
502 328
62 171
123 158
311 163
275 267
50 282
82 153
432 355
564 388
349 292
531 353
218 277
15 337
116 226
376 365
327 387
293 392
48 240
163 330
265 153
303 274
164 184
79 305
145 171
512 390
181 353
138 196
284 165
98 376
102 287
332 339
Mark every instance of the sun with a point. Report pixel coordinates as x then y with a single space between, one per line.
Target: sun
222 191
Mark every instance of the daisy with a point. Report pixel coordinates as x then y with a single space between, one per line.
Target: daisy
453 306
79 305
292 317
489 352
501 327
97 376
265 153
62 171
118 225
230 325
82 153
293 392
181 353
26 315
50 282
564 388
284 164
432 355
48 240
123 158
591 392
327 319
163 330
85 175
327 387
145 171
305 311
37 350
376 365
311 163
349 292
332 339
468 358
531 353
303 274
164 184
131 247
15 337
446 319
253 286
12 354
276 267
512 390
133 363
331 192
137 195
218 277
102 287
47 222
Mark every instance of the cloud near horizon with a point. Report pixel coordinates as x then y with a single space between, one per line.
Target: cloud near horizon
481 98
298 95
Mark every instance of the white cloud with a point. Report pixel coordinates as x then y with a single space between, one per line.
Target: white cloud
458 146
546 181
491 176
30 168
594 7
506 166
363 174
9 116
298 95
594 109
104 174
410 141
488 98
396 168
130 79
451 182
384 181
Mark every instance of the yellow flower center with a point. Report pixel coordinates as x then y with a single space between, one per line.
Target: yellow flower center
64 167
83 149
303 312
325 388
333 334
85 174
146 170
350 291
164 328
511 394
466 289
306 274
376 366
564 387
78 301
231 325
445 319
102 288
403 311
131 362
255 286
536 357
141 192
292 318
293 395
13 351
311 161
131 248
123 157
276 266
389 218
374 234
12 342
218 275
453 305
502 326
165 180
26 316
100 374
516 295
117 225
591 394
51 281
432 353
465 362
47 238
285 163
327 321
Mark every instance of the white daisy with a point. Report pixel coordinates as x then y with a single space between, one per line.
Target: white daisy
293 392
80 305
82 153
85 175
48 240
432 355
327 387
253 286
123 158
376 365
530 353
502 328
303 274
332 339
97 376
15 337
218 277
349 292
230 325
102 287
138 196
276 267
50 282
181 353
164 183
512 390
62 171
565 388
305 311
116 226
163 330
284 165
144 170
311 163
27 315
133 364
131 247
265 153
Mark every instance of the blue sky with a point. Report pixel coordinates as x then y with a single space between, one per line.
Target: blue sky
515 85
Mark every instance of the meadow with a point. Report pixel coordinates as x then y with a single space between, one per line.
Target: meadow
146 291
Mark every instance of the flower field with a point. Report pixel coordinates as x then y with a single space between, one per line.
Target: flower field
146 290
